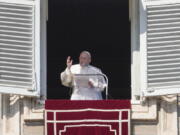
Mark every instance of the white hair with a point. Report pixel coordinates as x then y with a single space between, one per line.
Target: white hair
86 52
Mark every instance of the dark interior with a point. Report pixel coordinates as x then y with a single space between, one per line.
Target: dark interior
99 26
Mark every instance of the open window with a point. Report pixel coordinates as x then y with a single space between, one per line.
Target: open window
101 27
160 47
20 47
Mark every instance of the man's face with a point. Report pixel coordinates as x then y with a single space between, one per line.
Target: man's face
84 59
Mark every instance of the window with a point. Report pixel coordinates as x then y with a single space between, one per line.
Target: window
101 27
160 47
20 47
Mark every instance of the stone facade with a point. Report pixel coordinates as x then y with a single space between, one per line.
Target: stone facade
21 115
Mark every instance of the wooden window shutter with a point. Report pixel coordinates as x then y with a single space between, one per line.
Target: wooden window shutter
160 47
19 33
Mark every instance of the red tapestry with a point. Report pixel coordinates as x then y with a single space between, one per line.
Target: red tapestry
101 117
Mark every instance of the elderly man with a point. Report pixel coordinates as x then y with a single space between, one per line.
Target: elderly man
85 87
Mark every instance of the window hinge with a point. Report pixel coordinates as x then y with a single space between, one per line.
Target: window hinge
150 90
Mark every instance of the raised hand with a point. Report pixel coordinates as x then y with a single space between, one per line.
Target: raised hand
69 62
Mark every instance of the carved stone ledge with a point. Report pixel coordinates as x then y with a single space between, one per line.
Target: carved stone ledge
170 99
167 118
33 110
147 111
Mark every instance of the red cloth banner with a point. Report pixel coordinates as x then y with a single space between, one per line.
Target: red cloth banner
101 117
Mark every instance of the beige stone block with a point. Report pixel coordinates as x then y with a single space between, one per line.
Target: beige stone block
33 128
144 128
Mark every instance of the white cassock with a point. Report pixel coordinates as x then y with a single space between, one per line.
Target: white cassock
81 88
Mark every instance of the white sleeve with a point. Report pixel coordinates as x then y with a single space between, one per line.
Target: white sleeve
99 83
66 77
